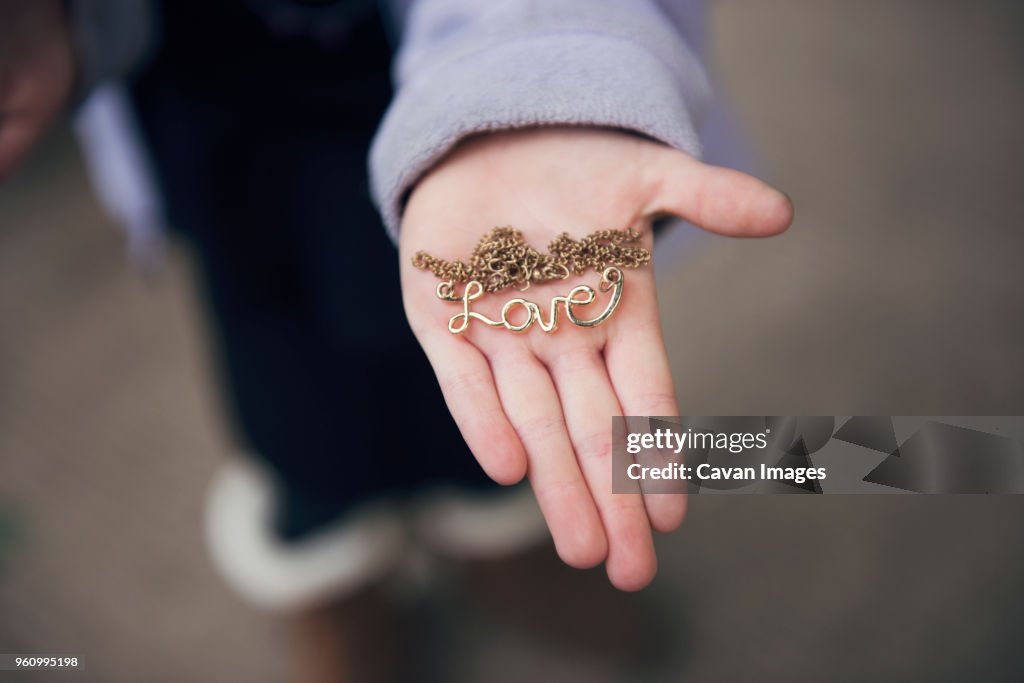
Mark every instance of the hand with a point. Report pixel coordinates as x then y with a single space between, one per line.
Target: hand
36 73
539 404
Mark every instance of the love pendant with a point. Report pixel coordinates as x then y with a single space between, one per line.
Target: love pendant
611 279
502 259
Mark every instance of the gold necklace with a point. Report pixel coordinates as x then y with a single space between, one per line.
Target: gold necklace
502 259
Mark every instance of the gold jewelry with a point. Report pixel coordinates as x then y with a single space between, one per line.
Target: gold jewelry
502 259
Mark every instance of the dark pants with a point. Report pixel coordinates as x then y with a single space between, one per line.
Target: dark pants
260 145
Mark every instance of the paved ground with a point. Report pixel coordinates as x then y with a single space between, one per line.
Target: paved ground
896 127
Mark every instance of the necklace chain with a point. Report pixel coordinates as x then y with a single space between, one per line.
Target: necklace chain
502 259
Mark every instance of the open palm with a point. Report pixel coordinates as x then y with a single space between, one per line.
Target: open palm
539 404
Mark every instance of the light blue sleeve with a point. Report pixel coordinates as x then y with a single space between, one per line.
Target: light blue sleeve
468 66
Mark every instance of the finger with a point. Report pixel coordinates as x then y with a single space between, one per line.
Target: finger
588 403
640 374
468 387
664 499
17 134
533 407
720 199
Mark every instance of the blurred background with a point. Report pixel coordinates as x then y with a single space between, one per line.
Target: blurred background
896 127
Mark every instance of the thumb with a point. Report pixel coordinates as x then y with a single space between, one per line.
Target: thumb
719 199
17 135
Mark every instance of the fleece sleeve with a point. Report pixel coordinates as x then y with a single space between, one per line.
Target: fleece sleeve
470 66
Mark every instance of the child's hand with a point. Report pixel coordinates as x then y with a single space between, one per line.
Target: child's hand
539 404
36 73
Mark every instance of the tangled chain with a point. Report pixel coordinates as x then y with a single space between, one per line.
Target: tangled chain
502 259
